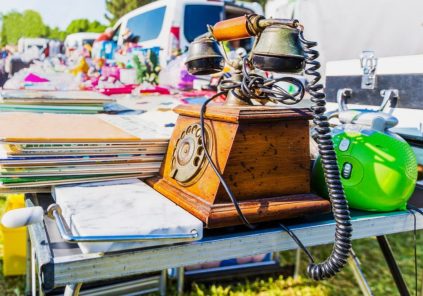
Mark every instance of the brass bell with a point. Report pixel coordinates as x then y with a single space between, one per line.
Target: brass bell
279 50
204 57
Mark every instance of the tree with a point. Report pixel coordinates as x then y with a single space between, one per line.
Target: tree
56 33
96 27
118 8
84 25
16 25
78 25
30 24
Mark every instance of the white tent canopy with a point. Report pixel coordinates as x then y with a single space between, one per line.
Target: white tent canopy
345 28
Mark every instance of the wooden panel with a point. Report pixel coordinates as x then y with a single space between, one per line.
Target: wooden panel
268 159
236 114
268 209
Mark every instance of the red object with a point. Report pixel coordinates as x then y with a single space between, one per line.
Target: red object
175 31
174 40
103 37
156 89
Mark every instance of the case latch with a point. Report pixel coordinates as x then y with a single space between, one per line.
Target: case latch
368 62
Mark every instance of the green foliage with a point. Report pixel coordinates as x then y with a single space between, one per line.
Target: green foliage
78 25
270 287
56 33
118 8
141 69
84 25
147 67
30 24
96 27
16 25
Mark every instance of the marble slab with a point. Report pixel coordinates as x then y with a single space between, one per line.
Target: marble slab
127 207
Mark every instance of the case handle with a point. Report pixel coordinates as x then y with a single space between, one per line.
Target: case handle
55 212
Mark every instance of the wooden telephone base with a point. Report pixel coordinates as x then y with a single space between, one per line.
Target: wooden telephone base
263 154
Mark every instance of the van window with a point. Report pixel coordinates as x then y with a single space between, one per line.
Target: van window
197 17
88 41
146 26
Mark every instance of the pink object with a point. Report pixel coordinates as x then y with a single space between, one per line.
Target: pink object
198 93
35 78
211 265
244 260
110 71
259 258
127 89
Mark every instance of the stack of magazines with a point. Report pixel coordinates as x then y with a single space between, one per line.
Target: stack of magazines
41 150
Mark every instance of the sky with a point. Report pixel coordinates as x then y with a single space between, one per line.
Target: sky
59 12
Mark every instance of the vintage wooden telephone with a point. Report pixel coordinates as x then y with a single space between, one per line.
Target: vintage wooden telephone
245 162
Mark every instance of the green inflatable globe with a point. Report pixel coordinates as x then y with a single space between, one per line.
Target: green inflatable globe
378 170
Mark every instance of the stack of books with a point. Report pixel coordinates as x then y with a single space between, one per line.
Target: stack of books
42 150
70 102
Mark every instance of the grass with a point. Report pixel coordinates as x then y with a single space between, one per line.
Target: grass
374 267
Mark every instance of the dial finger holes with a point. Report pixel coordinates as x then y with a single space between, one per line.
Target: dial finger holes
200 150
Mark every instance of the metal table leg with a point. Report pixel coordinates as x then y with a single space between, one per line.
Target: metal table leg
40 288
180 273
297 263
33 273
28 274
393 267
72 290
163 283
355 265
421 293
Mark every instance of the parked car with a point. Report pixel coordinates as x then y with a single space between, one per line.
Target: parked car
26 44
171 25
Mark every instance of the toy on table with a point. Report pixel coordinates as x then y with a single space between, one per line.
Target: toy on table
81 67
378 168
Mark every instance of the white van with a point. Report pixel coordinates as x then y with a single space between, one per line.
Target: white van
77 40
172 24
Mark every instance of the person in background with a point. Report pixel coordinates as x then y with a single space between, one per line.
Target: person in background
105 36
4 53
129 41
46 51
54 46
100 45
